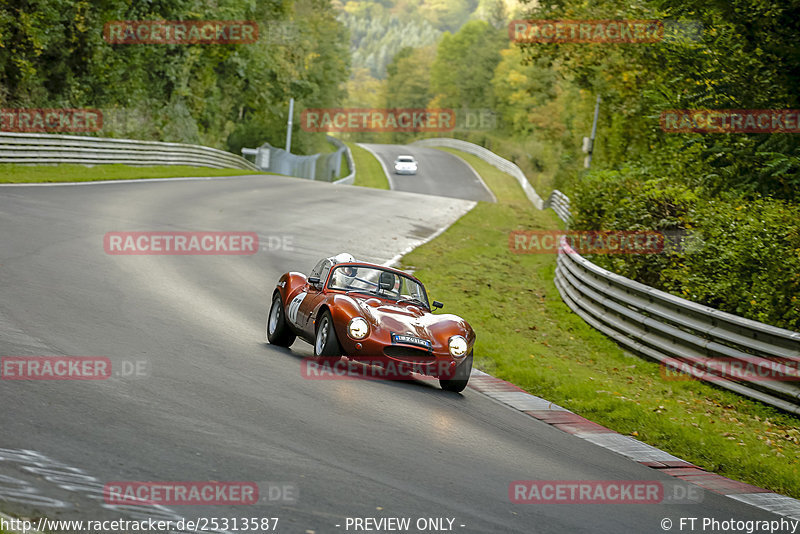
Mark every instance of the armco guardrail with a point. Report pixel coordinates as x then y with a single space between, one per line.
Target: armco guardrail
560 204
679 333
492 159
39 149
348 155
684 335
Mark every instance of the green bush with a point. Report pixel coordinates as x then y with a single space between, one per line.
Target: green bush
736 255
748 262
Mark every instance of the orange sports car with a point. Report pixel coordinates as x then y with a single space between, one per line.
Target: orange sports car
374 314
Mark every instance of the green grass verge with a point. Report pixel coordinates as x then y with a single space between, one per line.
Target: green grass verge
528 336
17 174
369 172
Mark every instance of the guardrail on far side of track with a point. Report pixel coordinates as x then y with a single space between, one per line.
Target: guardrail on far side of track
45 149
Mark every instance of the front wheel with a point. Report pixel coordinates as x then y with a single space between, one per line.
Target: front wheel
278 332
460 377
326 344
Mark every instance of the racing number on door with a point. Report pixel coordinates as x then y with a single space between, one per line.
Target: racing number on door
294 306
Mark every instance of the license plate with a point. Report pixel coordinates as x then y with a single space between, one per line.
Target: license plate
411 340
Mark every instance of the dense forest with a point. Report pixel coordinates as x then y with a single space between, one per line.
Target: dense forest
736 194
53 55
376 40
379 30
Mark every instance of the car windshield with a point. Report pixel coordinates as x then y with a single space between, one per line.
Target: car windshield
378 282
405 159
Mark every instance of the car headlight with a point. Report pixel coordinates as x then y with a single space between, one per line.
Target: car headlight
358 328
458 345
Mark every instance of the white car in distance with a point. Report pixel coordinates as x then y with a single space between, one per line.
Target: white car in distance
405 164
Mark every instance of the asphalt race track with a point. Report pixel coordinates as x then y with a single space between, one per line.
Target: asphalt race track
440 173
216 403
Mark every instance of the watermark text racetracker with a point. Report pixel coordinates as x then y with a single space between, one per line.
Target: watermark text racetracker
604 492
711 121
586 242
189 243
182 493
604 31
199 493
40 120
180 32
744 369
376 368
70 368
377 120
397 120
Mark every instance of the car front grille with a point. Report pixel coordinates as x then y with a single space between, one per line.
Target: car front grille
408 354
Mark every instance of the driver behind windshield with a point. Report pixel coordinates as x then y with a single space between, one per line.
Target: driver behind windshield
344 276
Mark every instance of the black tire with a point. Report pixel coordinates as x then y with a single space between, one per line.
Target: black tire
460 377
278 332
326 344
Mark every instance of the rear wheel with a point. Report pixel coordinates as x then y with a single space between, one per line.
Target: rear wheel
326 344
278 332
460 377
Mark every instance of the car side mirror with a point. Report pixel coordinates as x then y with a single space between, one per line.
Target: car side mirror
437 305
314 281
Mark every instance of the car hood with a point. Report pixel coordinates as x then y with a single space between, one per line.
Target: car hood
407 318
